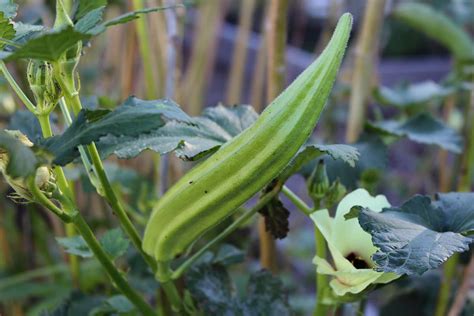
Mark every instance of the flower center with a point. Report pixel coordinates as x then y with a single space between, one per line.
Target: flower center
357 261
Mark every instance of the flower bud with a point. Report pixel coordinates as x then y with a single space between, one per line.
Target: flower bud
318 182
45 88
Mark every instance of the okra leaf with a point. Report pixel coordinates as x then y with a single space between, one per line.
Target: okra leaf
114 243
27 123
85 6
48 46
9 8
193 141
344 153
422 128
23 162
131 120
213 291
411 95
437 26
115 305
421 234
75 245
7 31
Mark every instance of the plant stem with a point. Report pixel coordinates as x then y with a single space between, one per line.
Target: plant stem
363 67
144 44
449 271
234 86
295 199
236 224
114 274
64 187
29 105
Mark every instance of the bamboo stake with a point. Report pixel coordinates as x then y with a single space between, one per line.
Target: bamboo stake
276 80
461 295
364 57
202 57
234 87
258 82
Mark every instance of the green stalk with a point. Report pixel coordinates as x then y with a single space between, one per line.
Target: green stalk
72 99
363 67
144 44
321 279
65 188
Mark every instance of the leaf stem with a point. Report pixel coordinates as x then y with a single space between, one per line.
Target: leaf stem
29 105
295 199
242 219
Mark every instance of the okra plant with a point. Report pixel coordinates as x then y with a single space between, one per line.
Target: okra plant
171 253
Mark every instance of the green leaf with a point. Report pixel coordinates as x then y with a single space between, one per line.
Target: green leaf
49 46
344 153
131 120
205 135
27 123
7 31
437 26
9 8
85 6
25 32
411 95
421 234
228 255
75 245
422 128
372 158
114 243
115 305
24 161
90 22
212 289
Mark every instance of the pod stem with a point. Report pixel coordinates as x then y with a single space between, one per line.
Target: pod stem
236 224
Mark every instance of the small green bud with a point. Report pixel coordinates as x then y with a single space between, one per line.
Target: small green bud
335 193
45 88
318 182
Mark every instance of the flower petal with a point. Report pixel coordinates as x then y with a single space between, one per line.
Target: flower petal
348 236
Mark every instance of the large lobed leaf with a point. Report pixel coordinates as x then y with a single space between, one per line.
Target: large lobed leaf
424 129
132 119
206 134
421 234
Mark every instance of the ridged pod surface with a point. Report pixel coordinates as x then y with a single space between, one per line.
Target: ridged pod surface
211 191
